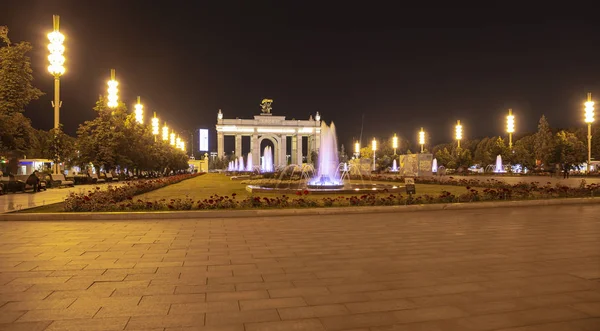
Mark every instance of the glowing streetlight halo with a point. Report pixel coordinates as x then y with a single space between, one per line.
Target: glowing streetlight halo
139 111
165 132
113 90
172 139
422 139
155 125
510 126
589 119
395 143
458 132
56 49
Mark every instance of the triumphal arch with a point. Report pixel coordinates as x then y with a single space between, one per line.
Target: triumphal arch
274 128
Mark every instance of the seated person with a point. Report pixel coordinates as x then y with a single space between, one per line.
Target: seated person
34 181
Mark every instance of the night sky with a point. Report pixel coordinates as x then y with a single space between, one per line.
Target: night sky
403 67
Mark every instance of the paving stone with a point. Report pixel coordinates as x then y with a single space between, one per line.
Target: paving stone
312 311
296 325
271 303
99 324
250 316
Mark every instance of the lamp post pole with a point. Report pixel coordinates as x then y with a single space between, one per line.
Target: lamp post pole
374 146
56 68
589 119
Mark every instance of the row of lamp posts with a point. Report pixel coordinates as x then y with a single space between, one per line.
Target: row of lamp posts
57 69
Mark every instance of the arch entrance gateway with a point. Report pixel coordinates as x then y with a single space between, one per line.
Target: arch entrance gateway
274 128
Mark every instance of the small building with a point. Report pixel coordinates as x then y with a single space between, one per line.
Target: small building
28 166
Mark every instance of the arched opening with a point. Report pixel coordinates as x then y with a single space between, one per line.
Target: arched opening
268 162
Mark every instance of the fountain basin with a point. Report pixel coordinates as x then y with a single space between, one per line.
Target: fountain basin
338 189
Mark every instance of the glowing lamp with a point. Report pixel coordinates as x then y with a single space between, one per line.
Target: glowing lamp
139 112
510 122
56 48
589 111
374 144
165 132
172 136
395 141
421 137
113 91
357 147
458 131
155 125
178 142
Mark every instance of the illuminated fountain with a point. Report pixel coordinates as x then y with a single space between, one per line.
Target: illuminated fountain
230 166
241 164
499 167
235 165
394 166
434 166
267 160
328 176
249 163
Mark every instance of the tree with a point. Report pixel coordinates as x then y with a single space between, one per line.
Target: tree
16 92
568 149
544 142
524 152
16 75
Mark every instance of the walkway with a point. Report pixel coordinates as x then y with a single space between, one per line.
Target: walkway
17 201
524 269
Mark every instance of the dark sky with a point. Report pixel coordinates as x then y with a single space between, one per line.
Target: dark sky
402 67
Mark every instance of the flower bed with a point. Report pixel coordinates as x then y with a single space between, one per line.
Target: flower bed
109 199
524 191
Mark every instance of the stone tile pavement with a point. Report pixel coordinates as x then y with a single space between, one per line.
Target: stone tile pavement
525 269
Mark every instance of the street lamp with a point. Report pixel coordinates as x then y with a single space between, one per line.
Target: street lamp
57 61
178 142
510 126
172 136
395 143
589 119
422 139
57 69
139 111
458 130
374 147
155 129
165 132
357 149
113 91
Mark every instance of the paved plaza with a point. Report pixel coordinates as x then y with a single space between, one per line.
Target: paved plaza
520 269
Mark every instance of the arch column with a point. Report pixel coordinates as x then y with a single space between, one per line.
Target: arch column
299 149
283 150
220 145
255 149
238 145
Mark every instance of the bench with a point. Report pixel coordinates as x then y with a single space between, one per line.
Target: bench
23 178
61 180
95 179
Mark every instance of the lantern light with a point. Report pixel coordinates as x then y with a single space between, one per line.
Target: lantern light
155 124
57 49
165 132
589 111
139 112
113 91
374 144
421 137
172 136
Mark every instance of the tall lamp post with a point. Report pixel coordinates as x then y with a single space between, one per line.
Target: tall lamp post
589 119
422 139
395 143
113 91
139 111
165 132
57 69
374 147
357 149
458 132
155 128
172 139
510 126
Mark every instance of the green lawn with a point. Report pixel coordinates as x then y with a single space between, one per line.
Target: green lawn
203 187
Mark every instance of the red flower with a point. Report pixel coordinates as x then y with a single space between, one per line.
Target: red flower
305 192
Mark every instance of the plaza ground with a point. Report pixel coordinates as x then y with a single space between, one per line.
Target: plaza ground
519 269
